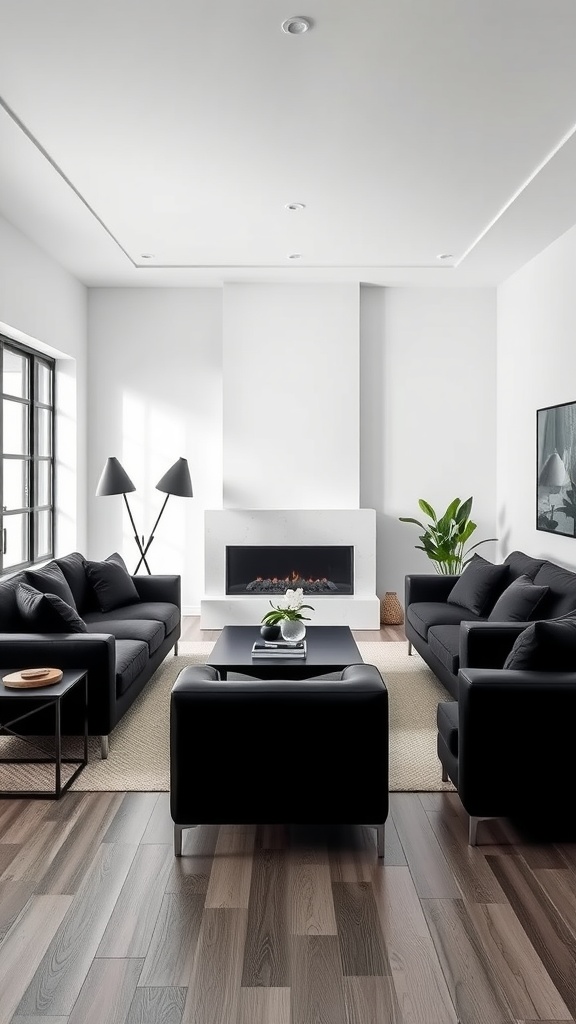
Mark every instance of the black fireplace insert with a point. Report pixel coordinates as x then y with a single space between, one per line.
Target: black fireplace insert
318 569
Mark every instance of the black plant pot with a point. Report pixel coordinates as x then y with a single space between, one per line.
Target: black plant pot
269 632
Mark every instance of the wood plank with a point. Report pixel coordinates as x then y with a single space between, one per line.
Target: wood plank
474 988
63 969
310 894
25 945
473 876
361 945
68 868
13 898
264 1006
160 827
107 993
229 884
26 1019
371 1001
157 1006
24 820
317 982
547 931
129 930
419 982
170 955
219 956
130 820
266 951
514 963
560 887
432 876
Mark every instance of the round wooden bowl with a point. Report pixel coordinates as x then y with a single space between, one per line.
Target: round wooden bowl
28 678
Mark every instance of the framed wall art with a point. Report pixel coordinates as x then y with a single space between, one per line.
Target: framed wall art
556 469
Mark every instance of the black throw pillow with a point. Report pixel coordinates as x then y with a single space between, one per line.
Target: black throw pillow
47 613
548 645
479 585
519 601
112 584
50 580
117 558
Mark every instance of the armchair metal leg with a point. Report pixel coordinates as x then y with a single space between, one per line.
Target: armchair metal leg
409 647
380 841
104 747
444 775
472 830
178 830
176 649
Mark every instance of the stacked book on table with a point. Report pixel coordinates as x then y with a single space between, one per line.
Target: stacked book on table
279 649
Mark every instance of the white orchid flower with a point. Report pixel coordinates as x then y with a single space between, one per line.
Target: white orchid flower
293 599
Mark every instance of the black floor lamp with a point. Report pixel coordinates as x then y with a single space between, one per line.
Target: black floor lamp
175 481
115 480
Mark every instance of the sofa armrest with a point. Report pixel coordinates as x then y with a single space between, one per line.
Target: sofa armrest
427 587
516 742
159 588
95 652
487 644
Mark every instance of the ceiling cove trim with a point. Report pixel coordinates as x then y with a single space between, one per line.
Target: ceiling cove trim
32 138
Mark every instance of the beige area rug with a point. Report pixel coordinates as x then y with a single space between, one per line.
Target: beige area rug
139 746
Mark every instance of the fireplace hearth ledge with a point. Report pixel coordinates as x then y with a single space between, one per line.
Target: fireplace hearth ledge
356 612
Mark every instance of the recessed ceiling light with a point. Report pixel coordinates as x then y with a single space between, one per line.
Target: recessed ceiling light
445 256
146 255
295 256
296 26
295 206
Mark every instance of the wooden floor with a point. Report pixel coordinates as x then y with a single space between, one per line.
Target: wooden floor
275 924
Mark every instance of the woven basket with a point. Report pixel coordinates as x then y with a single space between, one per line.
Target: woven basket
391 611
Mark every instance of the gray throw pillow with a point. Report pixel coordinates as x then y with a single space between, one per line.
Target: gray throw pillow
47 613
519 602
112 584
479 585
548 645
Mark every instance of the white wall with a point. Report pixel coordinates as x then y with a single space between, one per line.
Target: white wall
536 368
291 403
43 306
155 364
428 420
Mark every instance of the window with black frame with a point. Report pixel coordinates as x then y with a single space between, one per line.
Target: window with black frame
27 480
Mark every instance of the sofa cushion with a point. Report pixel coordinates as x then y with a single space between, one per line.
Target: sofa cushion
11 620
547 645
162 611
73 568
50 580
519 602
522 565
112 584
151 631
561 596
424 614
131 660
47 613
479 585
447 722
444 642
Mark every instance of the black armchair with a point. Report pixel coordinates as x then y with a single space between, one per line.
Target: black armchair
507 745
270 751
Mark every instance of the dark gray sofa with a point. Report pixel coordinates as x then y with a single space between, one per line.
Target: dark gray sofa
121 650
450 638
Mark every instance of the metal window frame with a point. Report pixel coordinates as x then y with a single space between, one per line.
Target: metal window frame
32 458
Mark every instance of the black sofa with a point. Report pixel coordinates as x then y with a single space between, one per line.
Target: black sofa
450 637
121 648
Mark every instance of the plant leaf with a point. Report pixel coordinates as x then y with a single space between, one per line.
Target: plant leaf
427 508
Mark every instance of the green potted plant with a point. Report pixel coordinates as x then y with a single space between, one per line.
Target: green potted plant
444 537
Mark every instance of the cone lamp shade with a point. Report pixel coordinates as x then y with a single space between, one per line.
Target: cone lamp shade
114 479
177 480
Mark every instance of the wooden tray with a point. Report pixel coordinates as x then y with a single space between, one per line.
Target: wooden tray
32 678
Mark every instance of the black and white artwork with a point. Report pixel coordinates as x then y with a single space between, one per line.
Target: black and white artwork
556 469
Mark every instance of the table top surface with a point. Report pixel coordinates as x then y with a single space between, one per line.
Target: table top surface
69 679
328 646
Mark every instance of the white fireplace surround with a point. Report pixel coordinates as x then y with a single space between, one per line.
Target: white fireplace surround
251 527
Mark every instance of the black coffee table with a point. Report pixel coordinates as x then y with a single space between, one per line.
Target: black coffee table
329 649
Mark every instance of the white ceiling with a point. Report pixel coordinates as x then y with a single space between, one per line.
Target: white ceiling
182 128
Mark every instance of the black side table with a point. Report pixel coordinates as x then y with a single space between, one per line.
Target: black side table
29 702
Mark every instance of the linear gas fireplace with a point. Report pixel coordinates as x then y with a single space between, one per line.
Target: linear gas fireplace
260 570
